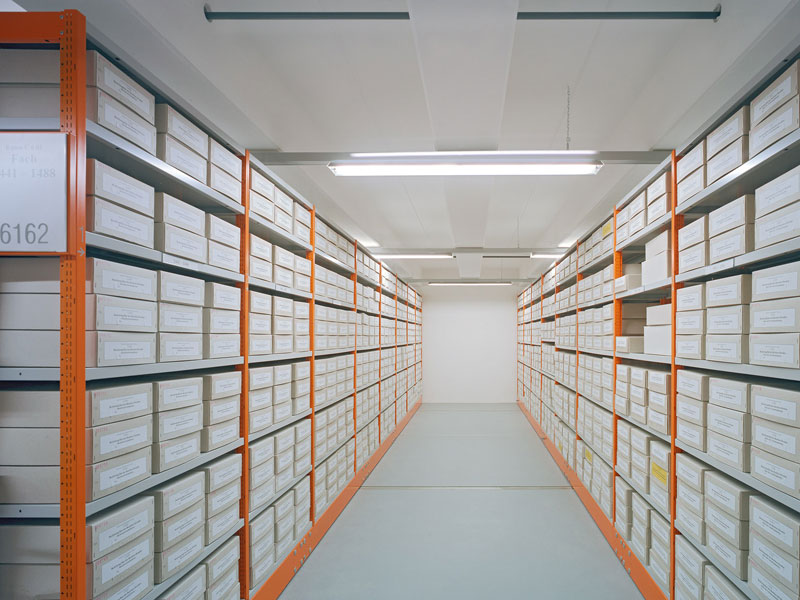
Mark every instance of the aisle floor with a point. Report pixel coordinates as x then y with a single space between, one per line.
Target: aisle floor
467 504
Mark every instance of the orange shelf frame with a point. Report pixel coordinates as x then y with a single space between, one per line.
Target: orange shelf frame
67 30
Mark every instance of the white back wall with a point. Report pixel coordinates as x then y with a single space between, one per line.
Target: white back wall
468 344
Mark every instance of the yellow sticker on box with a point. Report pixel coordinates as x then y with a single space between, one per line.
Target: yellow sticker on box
658 472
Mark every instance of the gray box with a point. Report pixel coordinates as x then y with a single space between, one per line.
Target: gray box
116 527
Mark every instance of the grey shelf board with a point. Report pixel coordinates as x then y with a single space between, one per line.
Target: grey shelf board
567 281
665 360
97 373
656 290
367 348
566 311
366 385
743 586
643 495
30 124
741 369
109 244
95 506
336 303
193 267
636 242
647 428
278 493
662 167
278 426
746 478
30 511
264 229
368 312
268 286
271 358
597 352
594 303
332 263
326 404
757 259
30 373
329 453
102 245
334 351
127 157
363 279
778 158
161 588
598 263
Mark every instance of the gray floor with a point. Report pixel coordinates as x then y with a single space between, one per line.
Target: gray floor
467 504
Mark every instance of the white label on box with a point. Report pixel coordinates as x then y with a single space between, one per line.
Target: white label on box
118 566
774 438
132 96
224 562
774 353
720 521
185 160
773 560
123 439
179 422
775 407
129 528
725 322
687 346
766 587
262 420
129 317
227 320
774 472
690 385
180 318
122 223
184 291
224 433
133 589
224 346
223 410
774 318
689 433
112 407
726 424
688 321
124 282
729 350
773 98
226 296
223 524
777 529
688 411
785 282
722 550
187 523
223 499
126 350
780 121
185 393
132 128
186 497
182 348
185 244
223 586
179 451
187 552
229 384
722 293
723 450
778 227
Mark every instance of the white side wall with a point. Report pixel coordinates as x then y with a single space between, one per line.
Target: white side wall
469 344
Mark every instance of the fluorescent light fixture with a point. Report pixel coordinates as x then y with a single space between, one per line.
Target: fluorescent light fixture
415 256
537 255
467 283
526 162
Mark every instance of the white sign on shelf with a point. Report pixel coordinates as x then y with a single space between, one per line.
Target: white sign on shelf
33 192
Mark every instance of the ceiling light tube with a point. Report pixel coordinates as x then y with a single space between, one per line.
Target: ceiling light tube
414 256
467 283
406 164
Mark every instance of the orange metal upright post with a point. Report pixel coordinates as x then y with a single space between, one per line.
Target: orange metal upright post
243 222
617 258
395 355
311 255
676 224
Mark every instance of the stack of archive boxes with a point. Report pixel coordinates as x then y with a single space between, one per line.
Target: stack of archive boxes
631 329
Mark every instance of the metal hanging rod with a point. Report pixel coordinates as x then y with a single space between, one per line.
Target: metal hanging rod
622 15
269 15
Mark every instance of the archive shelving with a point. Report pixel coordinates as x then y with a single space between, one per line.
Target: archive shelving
399 369
547 412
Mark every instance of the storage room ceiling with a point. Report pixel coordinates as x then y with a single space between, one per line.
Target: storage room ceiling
459 75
